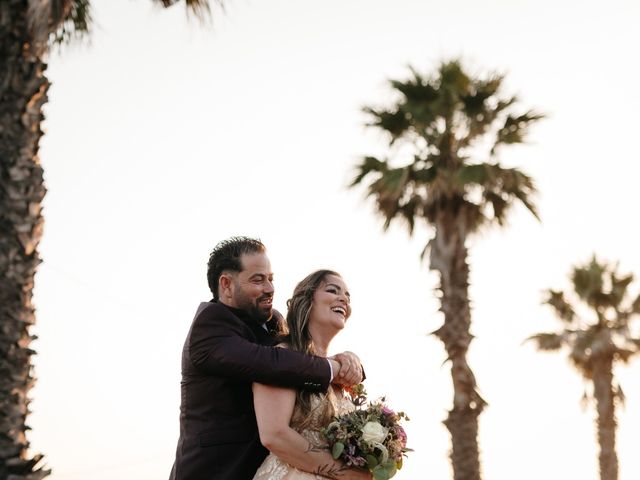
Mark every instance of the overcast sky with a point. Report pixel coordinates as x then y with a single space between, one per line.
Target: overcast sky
164 136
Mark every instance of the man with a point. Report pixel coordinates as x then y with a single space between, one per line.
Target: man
229 346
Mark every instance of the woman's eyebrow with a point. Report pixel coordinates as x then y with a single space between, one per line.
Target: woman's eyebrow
339 288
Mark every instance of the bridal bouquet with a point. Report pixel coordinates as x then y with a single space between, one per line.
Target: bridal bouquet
369 437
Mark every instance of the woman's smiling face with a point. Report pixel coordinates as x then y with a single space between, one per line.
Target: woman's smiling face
331 302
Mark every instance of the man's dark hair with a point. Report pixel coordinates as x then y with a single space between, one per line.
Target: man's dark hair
226 256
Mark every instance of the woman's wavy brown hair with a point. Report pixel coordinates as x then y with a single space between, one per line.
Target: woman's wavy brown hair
298 338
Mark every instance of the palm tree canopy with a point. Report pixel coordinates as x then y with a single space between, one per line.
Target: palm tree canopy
60 21
599 287
446 119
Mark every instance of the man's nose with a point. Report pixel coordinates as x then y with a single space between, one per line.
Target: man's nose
268 286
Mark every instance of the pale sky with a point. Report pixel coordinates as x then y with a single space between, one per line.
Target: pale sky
164 136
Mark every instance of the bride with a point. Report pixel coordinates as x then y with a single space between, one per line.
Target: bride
290 421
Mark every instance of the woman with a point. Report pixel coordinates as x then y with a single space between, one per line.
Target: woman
290 421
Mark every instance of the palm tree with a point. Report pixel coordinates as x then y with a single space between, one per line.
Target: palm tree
442 122
28 29
596 345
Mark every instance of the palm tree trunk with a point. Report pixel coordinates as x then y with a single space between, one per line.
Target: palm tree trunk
449 257
23 88
606 422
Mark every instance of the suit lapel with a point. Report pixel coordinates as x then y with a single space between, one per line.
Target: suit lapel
263 336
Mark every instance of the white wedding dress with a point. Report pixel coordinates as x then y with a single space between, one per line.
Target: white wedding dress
309 427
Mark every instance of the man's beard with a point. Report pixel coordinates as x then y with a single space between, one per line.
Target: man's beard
261 314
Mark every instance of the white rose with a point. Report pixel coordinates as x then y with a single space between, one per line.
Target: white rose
373 432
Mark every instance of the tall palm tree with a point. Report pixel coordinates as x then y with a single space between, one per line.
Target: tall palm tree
597 344
442 122
28 29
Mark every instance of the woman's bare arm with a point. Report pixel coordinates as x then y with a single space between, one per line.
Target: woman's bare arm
274 408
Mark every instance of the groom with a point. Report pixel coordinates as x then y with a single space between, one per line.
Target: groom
229 346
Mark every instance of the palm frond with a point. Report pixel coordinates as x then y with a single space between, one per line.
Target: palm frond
77 24
499 205
588 282
619 285
500 186
477 173
619 394
392 183
515 128
415 90
58 21
624 355
389 188
395 122
582 363
452 78
425 250
423 176
563 309
410 211
369 165
388 191
475 102
201 9
584 401
635 305
582 342
482 106
397 191
547 341
529 205
586 398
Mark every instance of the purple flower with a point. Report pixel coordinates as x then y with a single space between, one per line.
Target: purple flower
401 434
387 411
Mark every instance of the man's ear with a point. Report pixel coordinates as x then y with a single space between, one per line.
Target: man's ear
224 285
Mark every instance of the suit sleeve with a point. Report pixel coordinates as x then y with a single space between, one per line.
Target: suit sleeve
218 346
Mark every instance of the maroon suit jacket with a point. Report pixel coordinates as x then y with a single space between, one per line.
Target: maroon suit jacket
225 351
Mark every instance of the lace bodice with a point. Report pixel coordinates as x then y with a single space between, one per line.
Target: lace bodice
309 426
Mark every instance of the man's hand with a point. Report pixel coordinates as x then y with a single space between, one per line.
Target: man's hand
350 372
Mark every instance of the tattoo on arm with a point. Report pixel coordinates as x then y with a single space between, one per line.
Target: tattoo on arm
330 471
315 448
